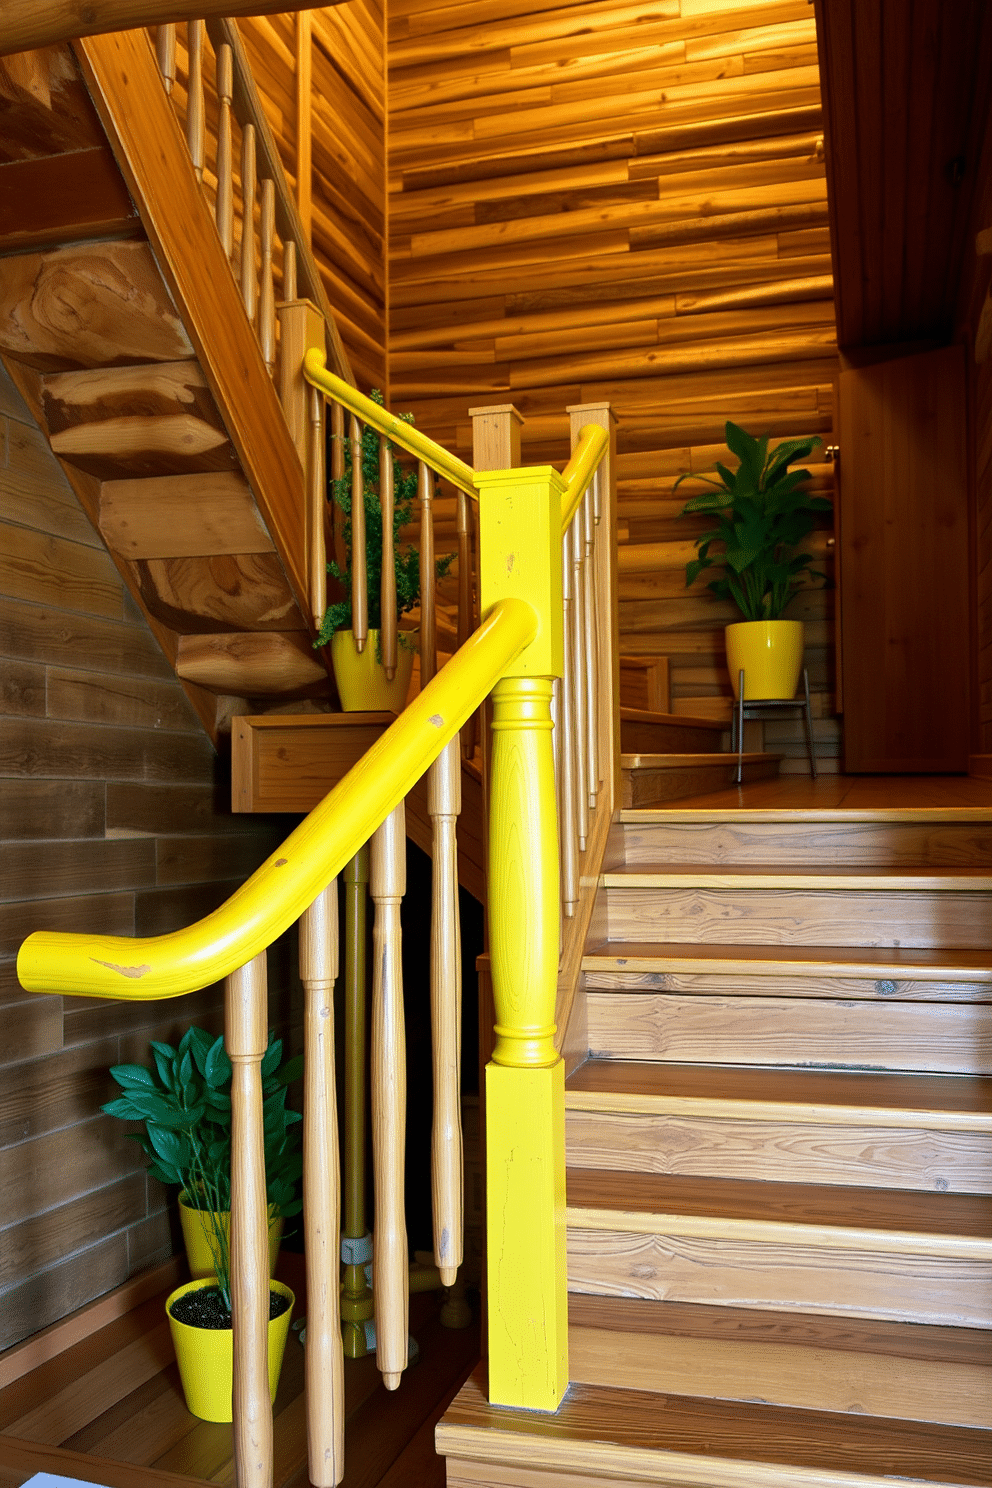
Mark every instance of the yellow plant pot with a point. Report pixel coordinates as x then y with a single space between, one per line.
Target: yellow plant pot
196 1234
362 683
206 1356
771 654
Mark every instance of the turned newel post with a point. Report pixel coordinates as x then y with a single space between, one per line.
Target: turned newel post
245 1038
520 547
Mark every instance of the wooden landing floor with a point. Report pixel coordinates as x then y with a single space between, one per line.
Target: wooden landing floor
856 793
110 1409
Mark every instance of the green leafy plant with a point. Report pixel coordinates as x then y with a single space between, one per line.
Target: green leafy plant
337 616
184 1101
763 514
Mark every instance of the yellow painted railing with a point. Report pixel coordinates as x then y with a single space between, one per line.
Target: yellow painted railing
543 553
288 881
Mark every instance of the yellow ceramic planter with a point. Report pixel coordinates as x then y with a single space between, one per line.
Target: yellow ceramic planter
362 683
196 1235
206 1356
771 654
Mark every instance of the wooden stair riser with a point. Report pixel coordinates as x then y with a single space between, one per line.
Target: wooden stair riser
794 916
855 1153
913 845
802 1376
814 1278
644 786
950 1038
647 733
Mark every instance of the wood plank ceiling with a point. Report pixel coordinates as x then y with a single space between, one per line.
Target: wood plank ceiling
907 90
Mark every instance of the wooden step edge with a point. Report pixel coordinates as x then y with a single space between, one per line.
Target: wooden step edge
681 815
738 1451
672 720
749 961
783 1232
694 761
740 879
726 1109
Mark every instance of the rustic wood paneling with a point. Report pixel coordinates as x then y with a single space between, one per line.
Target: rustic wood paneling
585 206
114 813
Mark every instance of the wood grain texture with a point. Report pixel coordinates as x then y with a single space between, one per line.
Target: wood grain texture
62 198
600 204
615 1433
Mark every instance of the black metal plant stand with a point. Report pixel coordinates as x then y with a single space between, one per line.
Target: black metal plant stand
753 708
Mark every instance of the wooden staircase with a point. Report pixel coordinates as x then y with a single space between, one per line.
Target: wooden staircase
123 327
668 756
780 1167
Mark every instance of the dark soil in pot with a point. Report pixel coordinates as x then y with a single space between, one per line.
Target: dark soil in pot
205 1308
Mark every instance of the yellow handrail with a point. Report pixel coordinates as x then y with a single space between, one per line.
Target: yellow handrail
408 438
288 881
586 460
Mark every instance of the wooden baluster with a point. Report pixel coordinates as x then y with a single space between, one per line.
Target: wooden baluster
267 298
591 648
335 514
304 117
359 560
289 270
165 47
249 293
225 168
387 591
322 1192
390 1267
579 687
195 121
245 1038
566 727
356 1243
444 802
428 577
317 502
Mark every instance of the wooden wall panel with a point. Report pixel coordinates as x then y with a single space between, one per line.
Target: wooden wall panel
586 203
111 799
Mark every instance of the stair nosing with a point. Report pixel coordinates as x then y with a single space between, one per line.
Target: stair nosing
747 878
727 1109
678 956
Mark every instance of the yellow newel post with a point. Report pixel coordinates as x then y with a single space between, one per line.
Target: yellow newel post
520 547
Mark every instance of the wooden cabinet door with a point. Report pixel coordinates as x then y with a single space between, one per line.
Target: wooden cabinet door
904 565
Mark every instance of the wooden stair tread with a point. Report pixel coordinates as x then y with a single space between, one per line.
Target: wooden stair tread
881 962
767 876
804 1095
691 761
935 1216
680 813
636 1435
753 1327
676 720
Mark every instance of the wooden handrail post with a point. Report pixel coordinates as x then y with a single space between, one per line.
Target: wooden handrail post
301 326
356 1244
245 1038
520 556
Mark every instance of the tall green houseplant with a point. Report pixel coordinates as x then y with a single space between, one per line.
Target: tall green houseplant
763 514
184 1103
337 616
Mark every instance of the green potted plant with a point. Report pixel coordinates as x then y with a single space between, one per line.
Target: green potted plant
184 1102
763 514
361 681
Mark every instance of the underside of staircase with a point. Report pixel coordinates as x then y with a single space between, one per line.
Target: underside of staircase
123 327
779 1161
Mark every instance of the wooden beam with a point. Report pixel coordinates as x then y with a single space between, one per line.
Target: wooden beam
25 24
63 198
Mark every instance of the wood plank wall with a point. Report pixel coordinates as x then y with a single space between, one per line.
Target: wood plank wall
348 150
598 201
115 816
